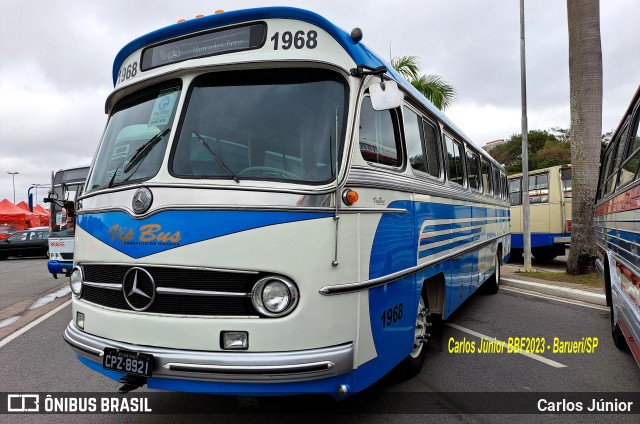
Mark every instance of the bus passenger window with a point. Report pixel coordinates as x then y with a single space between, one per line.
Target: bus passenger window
454 161
616 159
630 166
414 140
496 181
565 177
378 135
539 188
431 147
473 168
486 178
515 191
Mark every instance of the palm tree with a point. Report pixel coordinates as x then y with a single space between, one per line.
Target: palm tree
433 87
585 89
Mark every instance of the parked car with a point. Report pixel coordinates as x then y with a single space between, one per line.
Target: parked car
6 230
33 242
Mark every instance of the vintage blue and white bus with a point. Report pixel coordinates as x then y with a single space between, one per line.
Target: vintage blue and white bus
617 224
66 186
274 210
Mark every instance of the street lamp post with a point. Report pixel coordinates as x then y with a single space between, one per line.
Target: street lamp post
13 177
526 229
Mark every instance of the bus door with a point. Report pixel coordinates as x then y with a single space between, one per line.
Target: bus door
565 198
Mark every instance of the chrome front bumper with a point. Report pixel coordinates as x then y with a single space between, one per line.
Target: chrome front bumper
240 367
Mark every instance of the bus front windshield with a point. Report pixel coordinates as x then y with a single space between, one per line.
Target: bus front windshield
262 125
136 137
61 224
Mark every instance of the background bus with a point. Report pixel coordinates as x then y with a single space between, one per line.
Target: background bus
66 185
617 223
550 200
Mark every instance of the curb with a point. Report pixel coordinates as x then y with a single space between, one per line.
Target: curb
575 294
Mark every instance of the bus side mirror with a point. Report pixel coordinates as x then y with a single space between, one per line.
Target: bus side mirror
385 95
70 206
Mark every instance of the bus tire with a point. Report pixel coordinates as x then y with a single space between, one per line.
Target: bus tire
492 285
616 333
412 364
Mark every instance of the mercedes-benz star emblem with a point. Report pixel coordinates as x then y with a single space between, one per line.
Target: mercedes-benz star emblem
139 288
141 201
174 54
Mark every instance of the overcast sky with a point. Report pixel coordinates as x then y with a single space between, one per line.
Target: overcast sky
55 68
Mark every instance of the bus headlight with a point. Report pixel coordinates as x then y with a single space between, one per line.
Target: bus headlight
274 296
75 281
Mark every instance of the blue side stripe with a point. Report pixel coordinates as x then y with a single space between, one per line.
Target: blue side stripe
455 225
435 250
434 239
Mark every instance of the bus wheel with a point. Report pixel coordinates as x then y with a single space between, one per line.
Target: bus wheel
492 285
616 333
412 364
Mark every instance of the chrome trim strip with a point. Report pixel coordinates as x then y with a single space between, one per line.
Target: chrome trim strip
363 177
190 292
109 286
251 369
228 366
600 268
318 191
372 210
81 346
160 314
198 268
368 284
242 208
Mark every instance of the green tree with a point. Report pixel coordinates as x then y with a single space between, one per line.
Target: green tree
433 87
585 96
544 150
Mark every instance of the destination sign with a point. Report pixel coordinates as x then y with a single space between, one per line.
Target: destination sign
208 44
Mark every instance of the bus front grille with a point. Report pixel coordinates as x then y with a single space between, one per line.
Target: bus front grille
231 300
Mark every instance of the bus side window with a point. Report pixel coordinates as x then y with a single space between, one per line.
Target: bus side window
496 181
539 188
431 148
505 189
379 141
565 177
606 164
515 191
414 140
630 166
454 161
486 178
473 168
616 159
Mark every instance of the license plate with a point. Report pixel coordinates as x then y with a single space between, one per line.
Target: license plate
128 362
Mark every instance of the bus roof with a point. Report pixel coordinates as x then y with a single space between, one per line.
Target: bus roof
360 54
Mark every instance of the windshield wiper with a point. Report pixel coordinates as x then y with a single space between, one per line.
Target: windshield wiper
138 155
216 157
143 150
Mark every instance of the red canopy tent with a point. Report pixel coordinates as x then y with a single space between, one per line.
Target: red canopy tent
12 218
43 214
32 218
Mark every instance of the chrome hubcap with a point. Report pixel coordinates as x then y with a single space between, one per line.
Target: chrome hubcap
421 329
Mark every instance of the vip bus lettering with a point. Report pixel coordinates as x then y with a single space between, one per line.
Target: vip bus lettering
121 233
148 233
151 232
